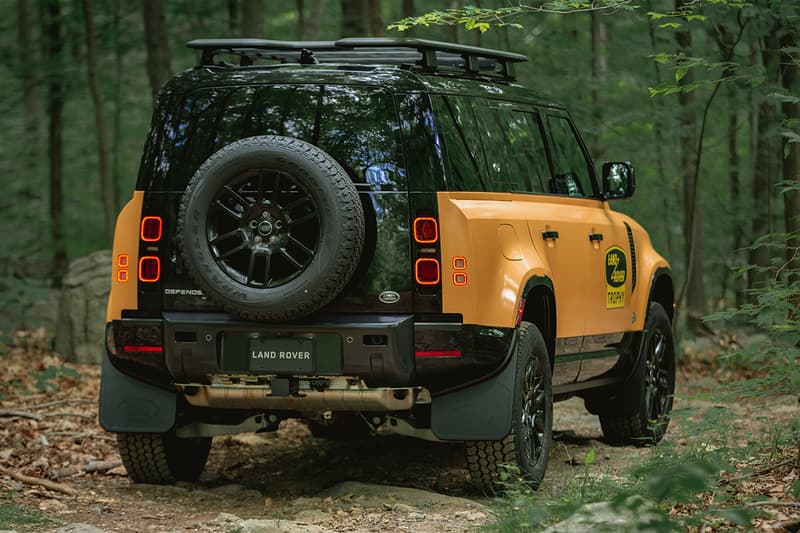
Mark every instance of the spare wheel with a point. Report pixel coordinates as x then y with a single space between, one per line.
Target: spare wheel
271 228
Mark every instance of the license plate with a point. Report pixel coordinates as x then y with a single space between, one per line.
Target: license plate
282 355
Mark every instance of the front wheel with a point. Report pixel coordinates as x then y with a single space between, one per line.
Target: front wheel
651 388
527 447
162 458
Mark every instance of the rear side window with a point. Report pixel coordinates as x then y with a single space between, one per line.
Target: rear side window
491 149
357 126
516 159
465 161
573 170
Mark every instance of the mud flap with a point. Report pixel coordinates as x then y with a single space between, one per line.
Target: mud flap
479 412
130 406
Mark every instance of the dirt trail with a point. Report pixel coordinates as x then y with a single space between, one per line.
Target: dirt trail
302 482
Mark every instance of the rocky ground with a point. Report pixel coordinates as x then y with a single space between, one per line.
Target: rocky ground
60 471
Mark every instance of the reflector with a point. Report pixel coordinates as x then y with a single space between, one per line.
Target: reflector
438 353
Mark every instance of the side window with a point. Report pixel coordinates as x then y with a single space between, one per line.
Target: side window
515 155
572 176
465 162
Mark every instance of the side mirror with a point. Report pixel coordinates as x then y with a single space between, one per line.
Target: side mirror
618 180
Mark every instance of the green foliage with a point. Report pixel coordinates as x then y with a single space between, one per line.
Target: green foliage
13 517
484 19
44 380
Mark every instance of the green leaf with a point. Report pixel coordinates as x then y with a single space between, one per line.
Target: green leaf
671 25
680 73
589 458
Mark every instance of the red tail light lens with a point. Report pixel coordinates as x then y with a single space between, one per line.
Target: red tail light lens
438 353
149 269
427 271
143 349
426 230
151 229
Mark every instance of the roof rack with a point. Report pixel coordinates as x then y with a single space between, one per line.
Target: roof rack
374 51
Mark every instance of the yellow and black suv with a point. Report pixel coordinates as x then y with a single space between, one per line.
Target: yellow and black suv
376 236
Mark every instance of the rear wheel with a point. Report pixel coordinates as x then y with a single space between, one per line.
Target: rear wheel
650 390
527 447
162 458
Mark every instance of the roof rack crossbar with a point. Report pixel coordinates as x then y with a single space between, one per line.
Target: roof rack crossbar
473 56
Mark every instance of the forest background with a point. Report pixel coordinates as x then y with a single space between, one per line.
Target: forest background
700 96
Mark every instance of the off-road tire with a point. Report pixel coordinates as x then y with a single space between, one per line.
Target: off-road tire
488 461
647 421
340 233
162 458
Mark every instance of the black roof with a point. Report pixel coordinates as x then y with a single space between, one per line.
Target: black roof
370 51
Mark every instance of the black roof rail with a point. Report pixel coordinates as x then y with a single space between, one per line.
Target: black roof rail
368 50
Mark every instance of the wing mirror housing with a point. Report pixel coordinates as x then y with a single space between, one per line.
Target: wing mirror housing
618 180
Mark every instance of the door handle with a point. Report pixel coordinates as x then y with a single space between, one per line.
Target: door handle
546 235
595 237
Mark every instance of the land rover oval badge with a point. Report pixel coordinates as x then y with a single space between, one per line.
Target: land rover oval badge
389 297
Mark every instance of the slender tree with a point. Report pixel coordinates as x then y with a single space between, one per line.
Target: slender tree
765 158
354 18
695 289
109 193
157 42
598 33
53 45
308 27
375 18
233 17
253 18
790 78
29 90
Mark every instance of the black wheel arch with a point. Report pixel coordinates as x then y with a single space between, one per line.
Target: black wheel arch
540 310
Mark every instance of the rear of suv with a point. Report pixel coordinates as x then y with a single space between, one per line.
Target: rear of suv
376 236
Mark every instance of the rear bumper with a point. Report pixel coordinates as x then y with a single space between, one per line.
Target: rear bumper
383 351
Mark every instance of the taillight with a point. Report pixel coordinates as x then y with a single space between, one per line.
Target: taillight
427 271
149 269
438 353
426 230
151 229
143 349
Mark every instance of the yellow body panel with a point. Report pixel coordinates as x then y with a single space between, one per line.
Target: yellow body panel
126 241
503 238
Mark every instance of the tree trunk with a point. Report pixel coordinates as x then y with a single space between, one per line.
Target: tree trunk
51 32
599 68
791 152
30 102
693 248
660 142
725 43
301 17
455 29
118 100
253 18
354 18
313 22
233 17
764 168
106 183
157 42
375 18
408 10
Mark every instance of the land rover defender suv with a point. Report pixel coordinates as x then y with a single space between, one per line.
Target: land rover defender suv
376 236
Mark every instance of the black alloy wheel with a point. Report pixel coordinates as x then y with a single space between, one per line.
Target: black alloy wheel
526 448
271 228
639 411
263 228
